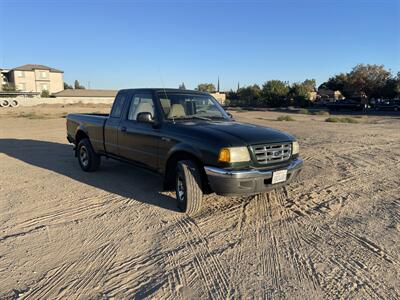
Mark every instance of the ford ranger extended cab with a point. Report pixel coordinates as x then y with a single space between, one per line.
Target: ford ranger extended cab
188 138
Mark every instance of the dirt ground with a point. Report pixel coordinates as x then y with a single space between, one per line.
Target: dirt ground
332 234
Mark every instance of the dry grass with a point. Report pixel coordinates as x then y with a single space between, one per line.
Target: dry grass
32 116
285 118
341 120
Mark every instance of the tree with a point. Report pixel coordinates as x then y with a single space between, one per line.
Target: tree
206 87
337 83
392 87
182 86
232 97
250 95
368 79
300 91
77 86
67 86
274 93
310 84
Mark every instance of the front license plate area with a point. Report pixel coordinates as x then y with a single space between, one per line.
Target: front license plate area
279 176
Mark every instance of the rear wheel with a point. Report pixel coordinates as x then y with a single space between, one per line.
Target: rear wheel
88 159
188 187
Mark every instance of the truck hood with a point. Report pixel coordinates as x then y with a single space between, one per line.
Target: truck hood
234 133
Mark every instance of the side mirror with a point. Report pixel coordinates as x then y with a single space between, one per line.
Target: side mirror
230 115
144 117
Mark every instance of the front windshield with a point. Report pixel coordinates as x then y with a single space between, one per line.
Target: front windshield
190 106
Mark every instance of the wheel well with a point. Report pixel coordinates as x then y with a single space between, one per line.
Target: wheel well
170 169
80 135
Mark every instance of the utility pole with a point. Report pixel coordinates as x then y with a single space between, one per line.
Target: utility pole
218 85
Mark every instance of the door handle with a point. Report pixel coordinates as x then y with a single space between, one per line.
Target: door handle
123 129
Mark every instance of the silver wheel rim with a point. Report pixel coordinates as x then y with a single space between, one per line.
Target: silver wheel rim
83 156
180 189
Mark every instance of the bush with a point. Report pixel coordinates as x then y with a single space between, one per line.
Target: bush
45 94
341 120
30 115
285 118
332 120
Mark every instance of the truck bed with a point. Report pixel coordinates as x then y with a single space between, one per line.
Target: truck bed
91 124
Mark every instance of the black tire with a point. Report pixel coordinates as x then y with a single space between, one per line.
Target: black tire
188 188
87 158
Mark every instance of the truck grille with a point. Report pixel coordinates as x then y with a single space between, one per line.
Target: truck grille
266 154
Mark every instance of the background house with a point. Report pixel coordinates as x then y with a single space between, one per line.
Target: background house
35 78
3 77
329 95
220 97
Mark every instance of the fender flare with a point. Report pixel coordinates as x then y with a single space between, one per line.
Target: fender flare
181 147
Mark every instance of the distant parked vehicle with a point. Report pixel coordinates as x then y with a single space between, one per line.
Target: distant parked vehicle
347 104
388 105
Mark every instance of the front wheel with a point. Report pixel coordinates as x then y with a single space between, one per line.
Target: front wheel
88 159
189 194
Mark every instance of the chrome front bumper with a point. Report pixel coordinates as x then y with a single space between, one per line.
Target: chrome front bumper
252 181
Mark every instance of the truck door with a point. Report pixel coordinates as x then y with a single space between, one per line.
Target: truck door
111 127
138 141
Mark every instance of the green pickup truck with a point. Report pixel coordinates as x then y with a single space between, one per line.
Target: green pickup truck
188 138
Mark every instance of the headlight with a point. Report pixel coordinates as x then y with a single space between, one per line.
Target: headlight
234 154
295 148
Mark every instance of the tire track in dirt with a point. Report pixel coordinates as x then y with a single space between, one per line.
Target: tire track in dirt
206 264
235 291
345 265
62 281
268 257
94 266
21 233
348 275
86 207
177 278
135 276
303 265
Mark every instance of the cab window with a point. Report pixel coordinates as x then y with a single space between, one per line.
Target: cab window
140 103
117 107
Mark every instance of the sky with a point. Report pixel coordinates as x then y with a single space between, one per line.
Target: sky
122 44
